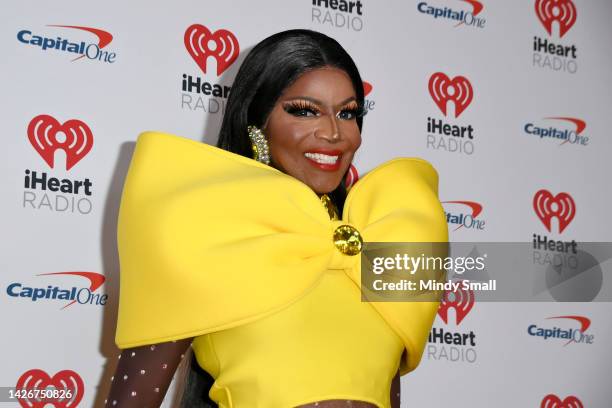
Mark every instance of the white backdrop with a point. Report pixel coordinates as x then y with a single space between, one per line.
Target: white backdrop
131 80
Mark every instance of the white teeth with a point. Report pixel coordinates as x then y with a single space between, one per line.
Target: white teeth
322 158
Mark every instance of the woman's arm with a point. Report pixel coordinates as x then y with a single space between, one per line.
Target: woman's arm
395 391
144 373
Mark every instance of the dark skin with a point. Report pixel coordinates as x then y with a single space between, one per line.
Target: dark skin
314 115
317 112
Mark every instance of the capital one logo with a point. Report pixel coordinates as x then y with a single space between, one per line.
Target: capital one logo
95 281
579 123
82 295
547 207
476 6
552 401
91 51
201 43
47 135
574 137
470 220
68 383
462 17
561 11
104 37
584 322
458 90
462 300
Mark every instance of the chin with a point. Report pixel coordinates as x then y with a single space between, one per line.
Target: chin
324 188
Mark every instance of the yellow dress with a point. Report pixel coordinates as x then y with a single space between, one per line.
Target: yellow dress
240 256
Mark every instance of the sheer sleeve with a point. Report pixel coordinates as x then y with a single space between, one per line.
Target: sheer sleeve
144 374
396 391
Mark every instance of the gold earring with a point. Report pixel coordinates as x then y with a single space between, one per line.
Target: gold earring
261 152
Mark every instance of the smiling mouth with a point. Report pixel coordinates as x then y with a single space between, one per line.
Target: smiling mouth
323 161
322 158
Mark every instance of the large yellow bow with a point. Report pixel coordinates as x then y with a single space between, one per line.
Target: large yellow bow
209 240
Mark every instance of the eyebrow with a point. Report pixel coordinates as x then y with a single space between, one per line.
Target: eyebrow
318 102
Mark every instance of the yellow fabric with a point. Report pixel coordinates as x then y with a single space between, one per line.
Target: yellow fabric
327 345
217 246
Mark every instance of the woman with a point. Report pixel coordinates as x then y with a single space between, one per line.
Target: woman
253 261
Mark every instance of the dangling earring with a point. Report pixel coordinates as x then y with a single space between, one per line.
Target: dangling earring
261 152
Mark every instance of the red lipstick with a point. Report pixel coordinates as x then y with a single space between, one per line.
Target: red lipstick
325 166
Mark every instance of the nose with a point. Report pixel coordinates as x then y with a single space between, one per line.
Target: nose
329 129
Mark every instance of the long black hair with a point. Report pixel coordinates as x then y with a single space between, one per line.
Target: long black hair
272 65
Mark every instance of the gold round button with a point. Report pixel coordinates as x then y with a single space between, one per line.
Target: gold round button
348 240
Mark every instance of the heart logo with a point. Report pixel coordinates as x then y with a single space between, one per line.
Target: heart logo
47 135
552 401
561 11
222 45
69 384
461 300
459 90
351 177
547 206
367 88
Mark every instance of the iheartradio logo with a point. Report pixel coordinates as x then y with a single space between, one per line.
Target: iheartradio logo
547 206
67 383
561 11
222 45
458 90
552 401
462 300
351 177
47 135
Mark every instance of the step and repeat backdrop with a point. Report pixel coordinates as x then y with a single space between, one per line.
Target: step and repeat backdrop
511 101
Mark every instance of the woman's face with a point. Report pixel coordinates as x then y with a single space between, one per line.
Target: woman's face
312 130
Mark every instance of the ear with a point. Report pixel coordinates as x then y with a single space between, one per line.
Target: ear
264 128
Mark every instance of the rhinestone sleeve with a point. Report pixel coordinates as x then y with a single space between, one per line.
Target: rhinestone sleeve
144 373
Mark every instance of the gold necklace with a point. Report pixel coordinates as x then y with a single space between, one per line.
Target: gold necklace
329 205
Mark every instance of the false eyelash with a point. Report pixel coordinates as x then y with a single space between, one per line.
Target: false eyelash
360 111
296 106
